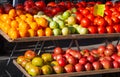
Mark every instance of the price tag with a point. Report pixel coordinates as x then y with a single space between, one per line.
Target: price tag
99 9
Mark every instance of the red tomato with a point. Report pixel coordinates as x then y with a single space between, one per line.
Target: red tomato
117 28
61 3
29 54
85 12
52 4
80 9
109 20
102 30
92 29
40 4
110 29
79 17
85 22
108 12
115 19
95 20
83 3
90 17
101 22
109 3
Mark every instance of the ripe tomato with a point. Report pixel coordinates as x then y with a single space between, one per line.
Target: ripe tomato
108 20
108 12
102 30
110 29
80 9
52 4
85 22
117 28
115 19
90 17
29 54
85 12
92 29
101 22
79 17
20 59
109 3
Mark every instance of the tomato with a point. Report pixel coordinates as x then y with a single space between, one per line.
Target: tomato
101 22
83 3
79 5
85 22
40 4
20 59
115 19
85 12
108 20
69 4
52 4
61 3
110 29
116 13
108 12
90 17
109 3
95 20
79 17
55 10
102 30
29 54
92 29
117 28
80 9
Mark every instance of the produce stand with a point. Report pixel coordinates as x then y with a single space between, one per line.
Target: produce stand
74 37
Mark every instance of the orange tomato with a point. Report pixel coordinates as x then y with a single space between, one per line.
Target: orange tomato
23 17
42 22
13 33
23 33
40 32
19 12
48 31
5 28
12 13
29 20
32 32
8 21
14 24
4 17
34 26
23 25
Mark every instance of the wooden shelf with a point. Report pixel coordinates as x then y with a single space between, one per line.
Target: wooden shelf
83 73
60 37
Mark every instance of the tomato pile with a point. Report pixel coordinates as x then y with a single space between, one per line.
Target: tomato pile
70 60
63 18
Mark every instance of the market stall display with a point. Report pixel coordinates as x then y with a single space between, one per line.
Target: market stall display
37 21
